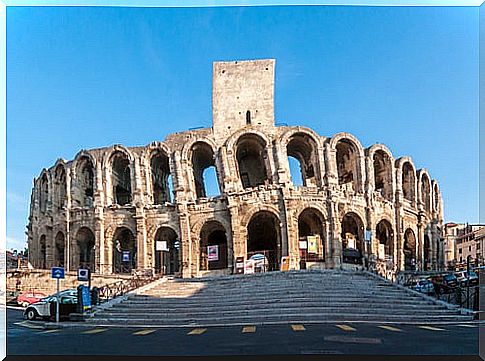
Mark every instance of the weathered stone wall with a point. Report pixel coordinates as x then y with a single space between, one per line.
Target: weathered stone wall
80 209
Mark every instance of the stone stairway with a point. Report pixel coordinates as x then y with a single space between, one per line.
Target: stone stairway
276 297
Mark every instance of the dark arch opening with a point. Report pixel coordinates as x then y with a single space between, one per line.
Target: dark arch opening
352 238
408 181
385 235
205 171
303 148
60 246
213 246
61 187
251 157
264 238
409 250
124 251
160 169
383 174
311 228
85 181
43 252
121 179
427 253
167 251
347 163
425 192
44 193
86 242
248 117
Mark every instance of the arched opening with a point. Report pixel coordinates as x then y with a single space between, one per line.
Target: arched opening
121 175
160 169
59 249
408 181
295 171
85 183
44 193
383 174
352 238
42 253
264 238
205 172
427 254
124 251
167 251
347 164
213 246
385 235
436 199
303 148
85 242
251 158
61 187
311 230
425 192
409 250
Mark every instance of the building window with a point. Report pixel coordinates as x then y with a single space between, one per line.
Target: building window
469 248
459 251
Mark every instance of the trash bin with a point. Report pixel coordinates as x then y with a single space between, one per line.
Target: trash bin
302 264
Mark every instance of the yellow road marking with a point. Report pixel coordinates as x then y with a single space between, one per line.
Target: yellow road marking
345 327
249 329
390 328
197 331
431 328
51 331
96 330
298 327
143 332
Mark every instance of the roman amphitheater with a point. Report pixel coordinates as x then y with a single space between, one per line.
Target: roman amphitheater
118 209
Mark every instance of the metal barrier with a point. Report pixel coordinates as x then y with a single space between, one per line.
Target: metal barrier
119 288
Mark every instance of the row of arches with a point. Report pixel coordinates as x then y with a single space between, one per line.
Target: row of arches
253 165
263 237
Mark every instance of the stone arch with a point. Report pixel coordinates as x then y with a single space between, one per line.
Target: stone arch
121 177
311 223
425 189
303 144
42 252
213 234
436 196
160 175
409 250
84 253
352 235
264 237
167 253
83 194
59 249
385 236
202 159
124 250
383 170
348 157
43 192
406 172
60 185
252 160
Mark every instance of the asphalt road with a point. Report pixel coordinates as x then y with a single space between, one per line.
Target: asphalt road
349 338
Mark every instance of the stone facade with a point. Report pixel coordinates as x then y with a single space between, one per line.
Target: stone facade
117 208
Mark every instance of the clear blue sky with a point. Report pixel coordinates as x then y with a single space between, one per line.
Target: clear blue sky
90 77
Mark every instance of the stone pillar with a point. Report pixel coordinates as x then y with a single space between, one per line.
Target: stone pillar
187 263
334 232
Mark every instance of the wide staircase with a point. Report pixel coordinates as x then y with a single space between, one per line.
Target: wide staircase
275 297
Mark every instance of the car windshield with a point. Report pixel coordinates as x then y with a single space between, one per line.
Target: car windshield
449 277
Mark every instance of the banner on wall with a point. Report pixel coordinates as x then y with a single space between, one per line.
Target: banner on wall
312 244
248 267
213 253
161 246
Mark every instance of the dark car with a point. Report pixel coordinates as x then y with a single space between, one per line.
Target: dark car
444 283
352 255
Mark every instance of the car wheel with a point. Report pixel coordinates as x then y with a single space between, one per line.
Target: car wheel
31 314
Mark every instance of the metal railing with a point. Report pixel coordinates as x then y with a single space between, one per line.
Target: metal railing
121 287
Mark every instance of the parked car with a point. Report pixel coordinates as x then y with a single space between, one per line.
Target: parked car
425 286
444 283
352 255
464 280
27 298
46 308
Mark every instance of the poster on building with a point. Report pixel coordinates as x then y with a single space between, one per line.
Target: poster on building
303 245
213 253
248 267
285 263
126 256
312 244
382 252
161 246
350 241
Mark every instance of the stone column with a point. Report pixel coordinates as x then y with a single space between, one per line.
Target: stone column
334 231
98 203
67 240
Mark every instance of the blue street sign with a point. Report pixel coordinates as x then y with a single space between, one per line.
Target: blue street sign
86 297
58 272
126 256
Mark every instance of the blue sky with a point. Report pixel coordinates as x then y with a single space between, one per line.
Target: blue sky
90 77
